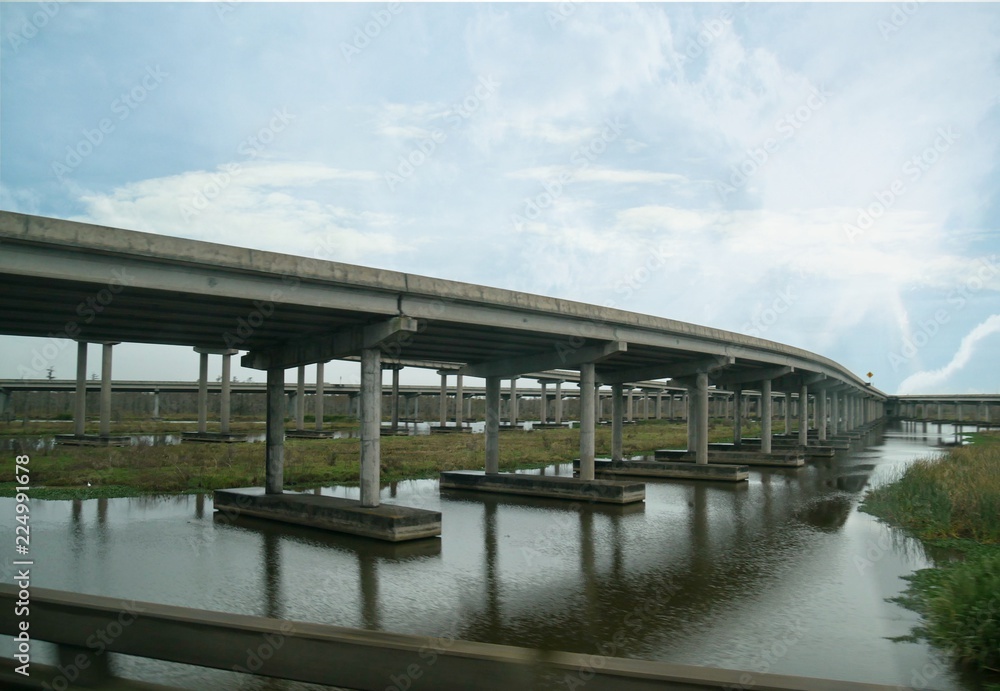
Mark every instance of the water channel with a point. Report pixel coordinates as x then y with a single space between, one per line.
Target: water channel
781 574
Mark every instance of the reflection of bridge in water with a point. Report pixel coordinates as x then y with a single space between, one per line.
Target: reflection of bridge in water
643 594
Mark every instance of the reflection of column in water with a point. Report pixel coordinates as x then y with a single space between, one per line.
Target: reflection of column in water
617 548
103 531
701 561
393 487
591 588
767 488
739 498
199 505
492 575
272 574
368 572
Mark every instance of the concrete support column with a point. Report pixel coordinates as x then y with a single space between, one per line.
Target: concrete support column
80 404
492 425
700 408
443 401
559 403
320 393
670 405
617 420
738 416
958 411
630 409
765 416
274 468
371 425
659 405
513 402
156 405
300 399
939 413
394 424
587 421
544 404
834 413
224 401
787 405
691 420
821 414
459 401
106 389
803 415
202 393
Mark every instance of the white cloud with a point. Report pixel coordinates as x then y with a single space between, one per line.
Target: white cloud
940 380
296 208
597 174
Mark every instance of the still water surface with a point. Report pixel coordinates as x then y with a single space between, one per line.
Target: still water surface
781 574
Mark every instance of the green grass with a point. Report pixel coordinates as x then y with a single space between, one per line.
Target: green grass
65 471
960 604
983 438
957 496
953 503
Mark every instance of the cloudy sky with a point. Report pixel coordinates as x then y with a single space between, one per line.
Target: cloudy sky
823 175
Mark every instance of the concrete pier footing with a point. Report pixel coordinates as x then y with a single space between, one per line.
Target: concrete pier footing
213 437
684 470
781 446
790 459
310 434
545 486
384 522
92 440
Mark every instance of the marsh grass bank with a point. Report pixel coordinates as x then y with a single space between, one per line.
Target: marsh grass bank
952 503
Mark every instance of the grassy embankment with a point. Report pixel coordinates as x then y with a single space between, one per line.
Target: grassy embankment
65 471
953 503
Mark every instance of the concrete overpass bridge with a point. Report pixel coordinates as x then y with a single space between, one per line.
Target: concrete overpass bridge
952 408
96 284
656 398
644 400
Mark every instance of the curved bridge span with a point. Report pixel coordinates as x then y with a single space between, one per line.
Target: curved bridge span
96 284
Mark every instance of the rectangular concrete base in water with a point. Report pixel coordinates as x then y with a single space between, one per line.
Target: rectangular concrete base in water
310 434
213 437
554 487
92 440
791 458
684 470
785 445
389 522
